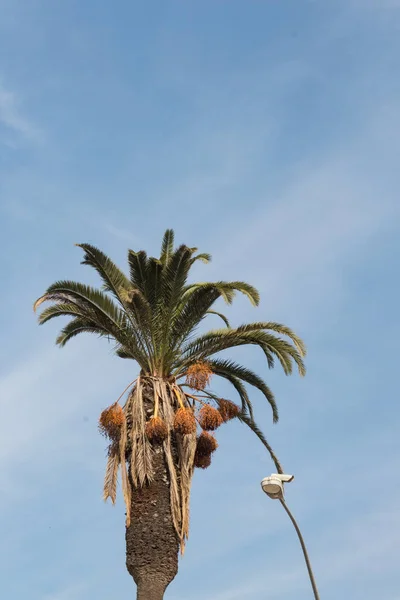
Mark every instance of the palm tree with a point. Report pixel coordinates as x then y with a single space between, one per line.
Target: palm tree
152 317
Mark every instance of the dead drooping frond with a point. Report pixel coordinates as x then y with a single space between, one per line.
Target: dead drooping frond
229 410
141 462
185 421
179 455
111 477
198 375
126 488
111 421
163 391
206 444
186 452
209 418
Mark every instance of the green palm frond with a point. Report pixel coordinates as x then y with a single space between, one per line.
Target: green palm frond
248 420
204 257
228 290
190 312
175 274
277 328
247 406
86 297
167 246
255 429
116 282
229 369
140 312
132 352
123 352
138 270
60 310
113 278
220 315
221 339
95 306
77 326
247 290
140 308
154 273
174 277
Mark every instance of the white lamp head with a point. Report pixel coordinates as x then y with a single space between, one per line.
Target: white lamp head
273 485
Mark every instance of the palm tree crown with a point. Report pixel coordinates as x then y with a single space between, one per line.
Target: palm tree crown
152 316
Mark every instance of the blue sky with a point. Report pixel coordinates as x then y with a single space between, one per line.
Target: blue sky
266 133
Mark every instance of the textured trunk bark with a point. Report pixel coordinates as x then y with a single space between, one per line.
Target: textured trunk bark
149 590
152 544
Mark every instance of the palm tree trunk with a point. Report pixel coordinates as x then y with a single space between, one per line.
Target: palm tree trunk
152 544
150 590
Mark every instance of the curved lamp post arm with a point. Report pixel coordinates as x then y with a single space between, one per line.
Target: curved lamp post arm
303 546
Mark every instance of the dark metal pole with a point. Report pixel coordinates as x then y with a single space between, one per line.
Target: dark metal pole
303 546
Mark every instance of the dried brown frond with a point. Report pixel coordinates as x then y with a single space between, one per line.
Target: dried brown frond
167 412
198 375
126 487
206 444
111 478
229 410
156 429
184 422
202 461
186 450
209 418
111 421
141 459
38 302
175 498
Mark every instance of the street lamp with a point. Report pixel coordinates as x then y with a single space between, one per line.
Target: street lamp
273 487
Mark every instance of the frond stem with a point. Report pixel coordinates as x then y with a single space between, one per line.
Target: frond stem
178 397
126 389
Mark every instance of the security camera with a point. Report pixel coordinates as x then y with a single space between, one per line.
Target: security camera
273 485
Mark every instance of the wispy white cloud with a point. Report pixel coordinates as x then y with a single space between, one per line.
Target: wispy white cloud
324 216
13 119
326 213
44 401
294 245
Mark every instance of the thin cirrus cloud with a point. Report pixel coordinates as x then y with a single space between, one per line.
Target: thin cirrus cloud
13 119
321 235
327 214
307 225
